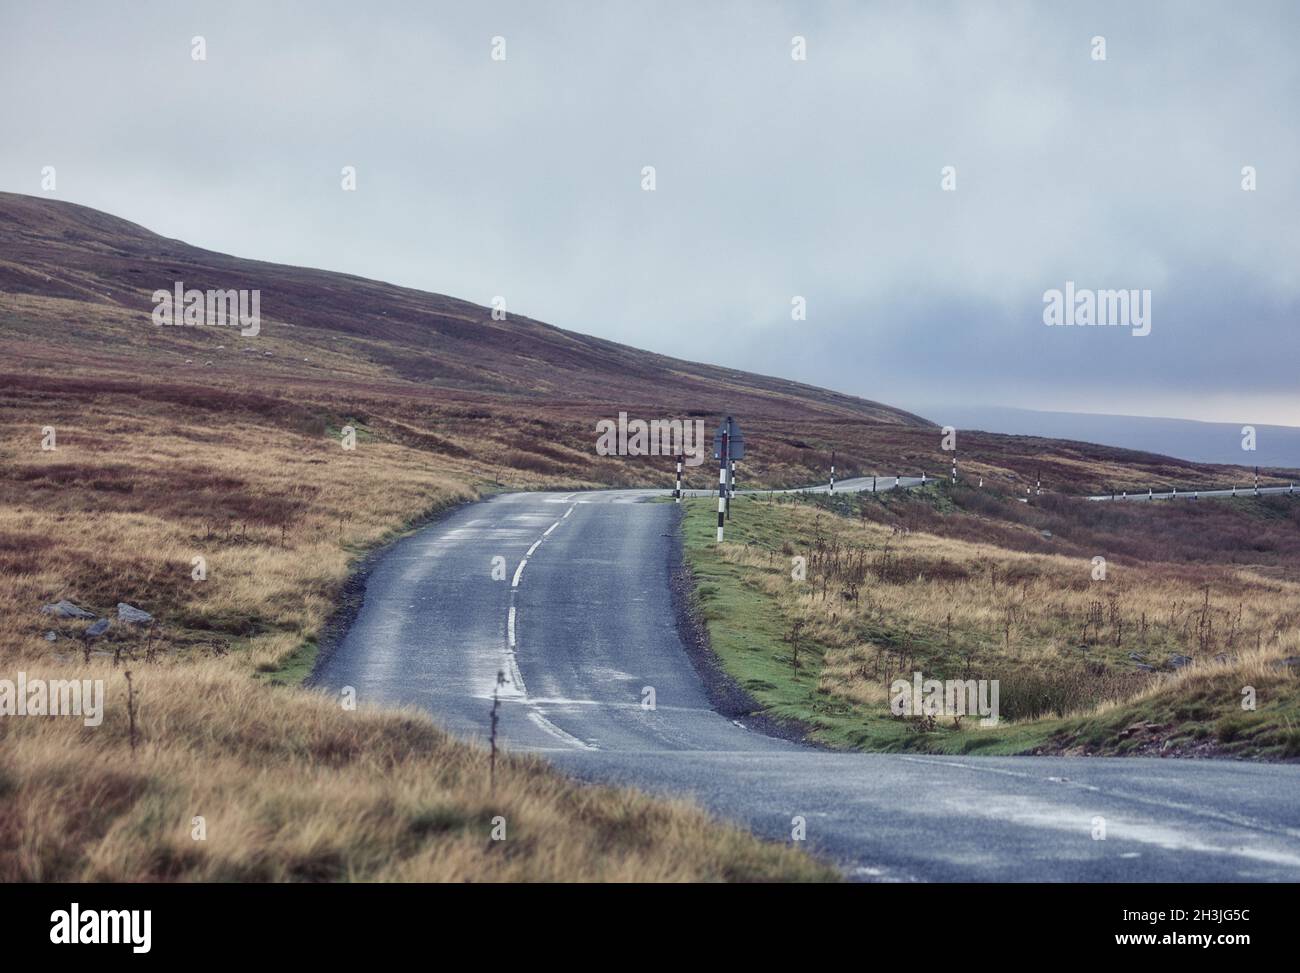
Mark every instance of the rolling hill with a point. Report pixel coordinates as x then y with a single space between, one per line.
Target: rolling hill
439 373
108 268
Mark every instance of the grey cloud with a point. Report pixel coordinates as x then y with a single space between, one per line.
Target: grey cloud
775 178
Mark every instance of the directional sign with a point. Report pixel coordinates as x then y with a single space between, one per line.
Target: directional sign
735 439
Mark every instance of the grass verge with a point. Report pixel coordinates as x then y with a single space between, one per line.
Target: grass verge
1153 658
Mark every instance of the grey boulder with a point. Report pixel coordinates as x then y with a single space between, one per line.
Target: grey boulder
66 609
131 615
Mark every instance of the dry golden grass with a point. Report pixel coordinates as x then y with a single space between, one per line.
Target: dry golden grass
881 602
293 788
120 508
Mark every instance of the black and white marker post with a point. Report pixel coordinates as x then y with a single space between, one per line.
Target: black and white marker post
954 466
1256 481
723 463
832 471
677 493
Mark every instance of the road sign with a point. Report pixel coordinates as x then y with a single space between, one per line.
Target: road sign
735 440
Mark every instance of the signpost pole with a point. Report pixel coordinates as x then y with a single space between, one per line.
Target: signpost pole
677 493
728 447
832 471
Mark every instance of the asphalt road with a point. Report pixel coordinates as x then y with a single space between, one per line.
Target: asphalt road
578 618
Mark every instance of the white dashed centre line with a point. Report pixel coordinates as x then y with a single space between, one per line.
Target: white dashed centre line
517 677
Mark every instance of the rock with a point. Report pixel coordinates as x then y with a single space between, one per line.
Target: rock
51 636
1141 726
1047 534
1180 661
1137 656
1290 662
1146 668
134 616
66 609
98 629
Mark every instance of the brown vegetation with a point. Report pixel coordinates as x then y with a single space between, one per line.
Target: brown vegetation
963 585
292 788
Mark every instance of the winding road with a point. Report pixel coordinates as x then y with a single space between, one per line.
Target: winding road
568 596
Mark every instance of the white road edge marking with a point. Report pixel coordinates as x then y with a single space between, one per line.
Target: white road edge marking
556 732
519 572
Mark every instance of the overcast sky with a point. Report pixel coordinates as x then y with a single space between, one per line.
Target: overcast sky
774 177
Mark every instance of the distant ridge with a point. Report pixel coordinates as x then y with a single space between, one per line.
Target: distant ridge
1199 442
